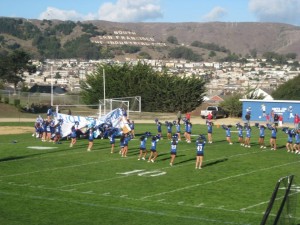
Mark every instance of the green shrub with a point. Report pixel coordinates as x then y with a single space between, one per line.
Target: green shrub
6 100
17 102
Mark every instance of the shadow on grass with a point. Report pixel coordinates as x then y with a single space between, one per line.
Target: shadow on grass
168 157
215 162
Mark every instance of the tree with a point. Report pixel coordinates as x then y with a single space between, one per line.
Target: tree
233 105
289 90
172 40
159 91
13 66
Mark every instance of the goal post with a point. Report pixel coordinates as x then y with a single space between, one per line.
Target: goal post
130 104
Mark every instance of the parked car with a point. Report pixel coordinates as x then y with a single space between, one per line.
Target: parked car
216 111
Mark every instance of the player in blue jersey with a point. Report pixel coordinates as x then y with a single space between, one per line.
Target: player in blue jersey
200 143
73 136
248 136
289 142
173 151
240 130
273 129
209 125
91 139
143 148
153 153
228 133
297 141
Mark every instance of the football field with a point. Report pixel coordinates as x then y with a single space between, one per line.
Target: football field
45 183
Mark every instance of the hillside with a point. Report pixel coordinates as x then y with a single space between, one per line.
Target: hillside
56 39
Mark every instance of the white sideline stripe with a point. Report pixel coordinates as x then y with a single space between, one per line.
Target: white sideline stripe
120 209
215 181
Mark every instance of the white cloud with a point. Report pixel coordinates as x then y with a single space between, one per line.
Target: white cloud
130 11
215 14
121 11
54 13
283 11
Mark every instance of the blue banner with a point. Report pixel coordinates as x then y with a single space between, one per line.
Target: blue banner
261 110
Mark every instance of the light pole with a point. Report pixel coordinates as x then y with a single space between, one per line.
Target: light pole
104 91
51 74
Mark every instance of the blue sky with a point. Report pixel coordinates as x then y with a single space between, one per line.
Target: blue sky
282 11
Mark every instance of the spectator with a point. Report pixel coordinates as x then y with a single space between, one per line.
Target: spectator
209 116
296 121
268 118
280 120
188 116
179 117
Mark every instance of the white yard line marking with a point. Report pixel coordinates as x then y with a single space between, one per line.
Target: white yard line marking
130 172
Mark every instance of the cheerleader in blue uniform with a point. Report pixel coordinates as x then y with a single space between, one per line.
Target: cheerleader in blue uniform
178 129
159 131
112 139
173 151
239 127
289 142
73 136
58 132
143 149
188 131
125 140
248 136
261 140
91 139
200 143
169 130
273 136
228 133
48 131
209 125
131 125
153 150
297 142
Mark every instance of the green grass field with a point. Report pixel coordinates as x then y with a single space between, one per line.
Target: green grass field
64 185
